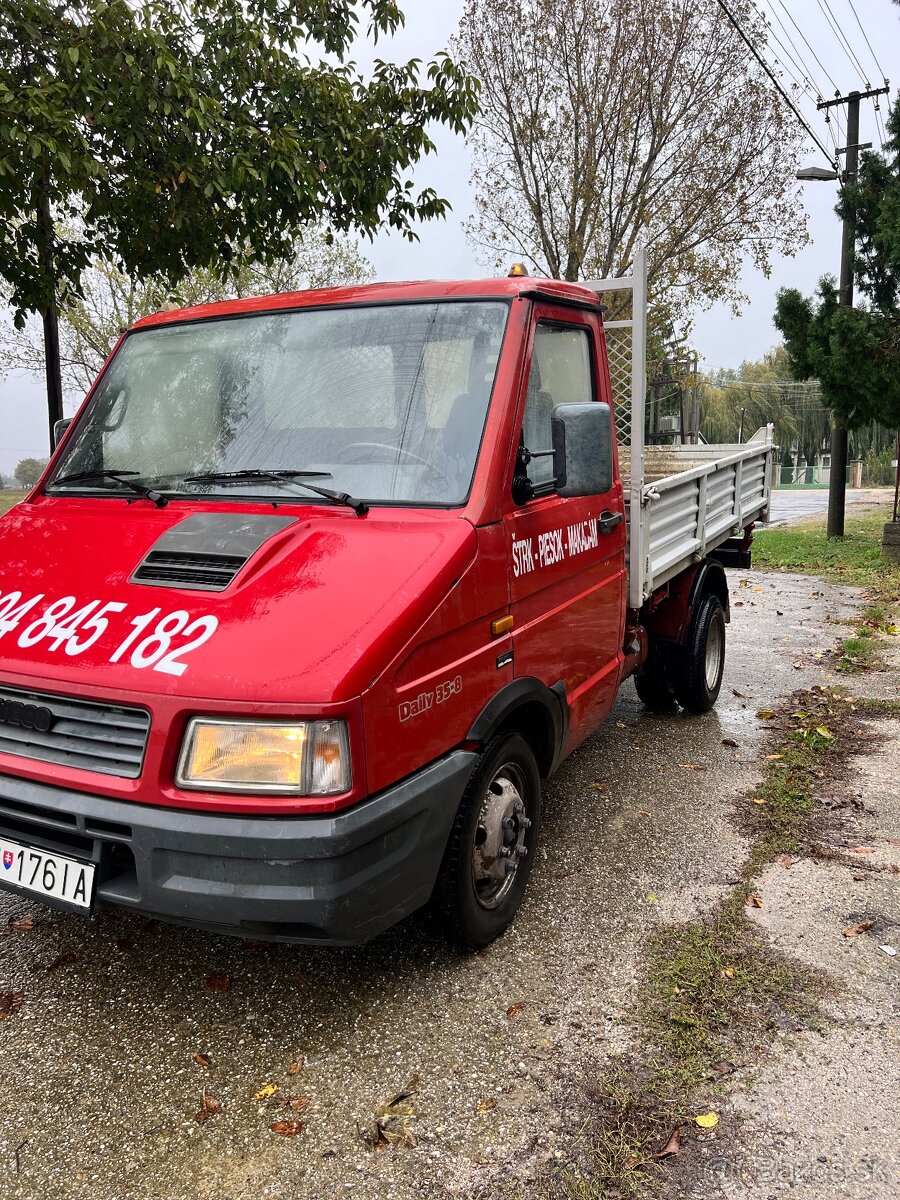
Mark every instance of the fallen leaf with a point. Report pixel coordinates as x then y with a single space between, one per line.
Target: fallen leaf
785 860
707 1120
765 714
728 972
598 786
744 583
218 981
392 1121
758 589
730 742
856 930
672 1146
200 1059
825 733
515 1009
21 924
63 960
652 897
689 766
267 1090
209 1106
10 1002
487 1105
644 813
773 757
862 850
296 1067
757 799
753 901
723 1066
287 1128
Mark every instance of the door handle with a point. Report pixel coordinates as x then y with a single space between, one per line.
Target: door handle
607 521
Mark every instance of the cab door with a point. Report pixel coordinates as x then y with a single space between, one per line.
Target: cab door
566 557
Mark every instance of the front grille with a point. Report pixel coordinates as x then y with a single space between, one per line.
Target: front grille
95 737
207 572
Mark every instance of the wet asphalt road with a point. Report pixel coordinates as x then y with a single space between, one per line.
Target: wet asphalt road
789 506
99 1085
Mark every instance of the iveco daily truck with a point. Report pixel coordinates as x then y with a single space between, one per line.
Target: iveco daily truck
318 588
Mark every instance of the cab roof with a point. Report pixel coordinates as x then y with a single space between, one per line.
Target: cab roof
387 293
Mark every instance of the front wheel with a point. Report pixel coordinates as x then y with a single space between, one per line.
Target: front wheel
698 665
491 847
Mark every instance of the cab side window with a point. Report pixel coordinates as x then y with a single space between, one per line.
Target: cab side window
561 373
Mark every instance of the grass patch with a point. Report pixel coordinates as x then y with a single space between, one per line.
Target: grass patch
8 498
715 993
855 559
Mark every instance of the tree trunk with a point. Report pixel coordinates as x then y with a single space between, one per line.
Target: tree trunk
49 313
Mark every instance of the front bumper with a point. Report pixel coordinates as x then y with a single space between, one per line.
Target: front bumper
339 878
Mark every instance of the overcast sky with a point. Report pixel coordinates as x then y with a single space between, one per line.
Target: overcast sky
443 251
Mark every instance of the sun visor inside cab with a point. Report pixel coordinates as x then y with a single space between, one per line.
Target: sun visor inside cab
207 550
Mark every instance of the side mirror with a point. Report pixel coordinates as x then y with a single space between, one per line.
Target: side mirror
582 449
59 428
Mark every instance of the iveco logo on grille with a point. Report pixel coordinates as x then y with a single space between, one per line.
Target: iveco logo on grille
26 716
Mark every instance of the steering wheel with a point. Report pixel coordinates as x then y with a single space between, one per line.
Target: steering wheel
392 450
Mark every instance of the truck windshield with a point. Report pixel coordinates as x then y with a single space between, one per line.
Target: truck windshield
386 402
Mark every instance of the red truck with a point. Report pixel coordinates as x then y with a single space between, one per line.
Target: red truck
317 588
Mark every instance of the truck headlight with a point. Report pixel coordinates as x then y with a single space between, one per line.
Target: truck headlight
299 758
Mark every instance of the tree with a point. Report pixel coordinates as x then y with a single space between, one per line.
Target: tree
110 300
28 471
169 135
606 123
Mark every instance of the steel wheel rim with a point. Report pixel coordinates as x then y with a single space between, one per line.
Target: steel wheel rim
714 649
499 843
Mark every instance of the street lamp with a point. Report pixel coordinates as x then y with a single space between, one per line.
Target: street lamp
817 173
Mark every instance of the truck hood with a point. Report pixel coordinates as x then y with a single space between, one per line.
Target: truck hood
319 608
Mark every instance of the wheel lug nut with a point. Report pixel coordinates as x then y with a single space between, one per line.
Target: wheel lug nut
525 823
510 867
504 852
521 851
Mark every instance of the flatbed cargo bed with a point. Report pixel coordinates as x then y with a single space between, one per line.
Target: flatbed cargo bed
682 501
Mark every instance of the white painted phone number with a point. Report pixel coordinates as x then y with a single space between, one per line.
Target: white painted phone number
155 639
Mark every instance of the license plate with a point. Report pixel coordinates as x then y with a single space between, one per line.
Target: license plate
43 874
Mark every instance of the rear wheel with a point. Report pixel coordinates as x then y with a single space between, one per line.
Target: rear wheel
652 681
698 665
488 857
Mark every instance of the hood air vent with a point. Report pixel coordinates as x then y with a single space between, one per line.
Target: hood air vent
206 551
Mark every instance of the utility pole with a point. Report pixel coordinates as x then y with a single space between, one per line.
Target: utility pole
49 312
837 480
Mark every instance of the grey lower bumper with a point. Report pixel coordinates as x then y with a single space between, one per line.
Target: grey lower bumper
336 879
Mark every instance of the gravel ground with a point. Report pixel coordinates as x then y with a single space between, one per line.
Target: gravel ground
100 1086
822 1119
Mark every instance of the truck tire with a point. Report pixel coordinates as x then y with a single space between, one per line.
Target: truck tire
491 846
652 682
697 666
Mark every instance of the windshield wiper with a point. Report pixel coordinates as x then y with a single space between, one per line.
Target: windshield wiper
289 478
120 477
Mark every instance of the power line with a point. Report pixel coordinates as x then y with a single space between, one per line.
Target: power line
842 41
815 56
801 71
866 36
800 59
768 70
